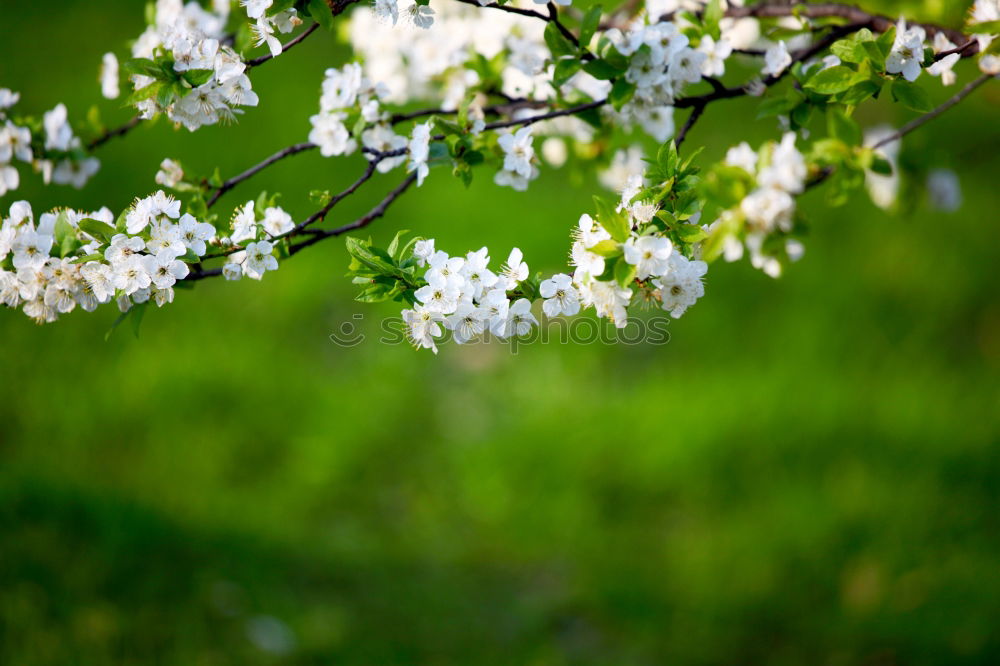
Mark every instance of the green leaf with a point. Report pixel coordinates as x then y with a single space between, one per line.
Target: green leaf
198 77
859 93
99 230
321 13
841 126
601 69
565 69
609 269
986 27
691 233
374 294
668 159
89 257
832 80
393 248
886 40
369 257
621 93
848 50
780 105
911 96
143 66
615 223
624 273
558 45
874 53
589 25
606 248
446 127
65 236
711 18
880 165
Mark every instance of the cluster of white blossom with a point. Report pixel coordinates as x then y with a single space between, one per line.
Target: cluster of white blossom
464 296
779 172
663 274
986 11
348 96
43 285
661 63
423 64
194 37
75 258
248 224
60 159
59 265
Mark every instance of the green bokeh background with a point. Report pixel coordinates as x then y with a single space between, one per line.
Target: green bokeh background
808 472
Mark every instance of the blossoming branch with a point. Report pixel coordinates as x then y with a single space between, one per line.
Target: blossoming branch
467 86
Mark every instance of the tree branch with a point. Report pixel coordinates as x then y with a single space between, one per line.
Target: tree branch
692 119
285 47
372 215
107 135
257 168
853 14
927 117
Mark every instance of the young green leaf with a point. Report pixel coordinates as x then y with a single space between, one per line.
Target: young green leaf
911 96
589 25
321 12
621 93
832 80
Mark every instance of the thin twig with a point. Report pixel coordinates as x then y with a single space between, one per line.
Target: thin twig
285 47
927 117
875 22
375 158
531 120
692 119
507 8
372 215
111 134
257 168
958 49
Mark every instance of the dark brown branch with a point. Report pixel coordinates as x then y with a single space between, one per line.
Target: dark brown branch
927 117
257 168
337 198
285 47
299 229
554 18
372 215
958 49
507 8
853 14
111 134
692 119
531 120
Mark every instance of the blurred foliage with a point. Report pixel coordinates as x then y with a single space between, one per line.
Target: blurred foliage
807 473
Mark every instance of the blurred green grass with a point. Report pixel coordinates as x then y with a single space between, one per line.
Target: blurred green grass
807 473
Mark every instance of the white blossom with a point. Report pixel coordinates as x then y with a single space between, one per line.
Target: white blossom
259 259
165 268
561 296
277 222
681 287
649 254
907 54
776 60
419 148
